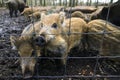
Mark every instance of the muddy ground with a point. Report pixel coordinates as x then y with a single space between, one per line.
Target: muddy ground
76 69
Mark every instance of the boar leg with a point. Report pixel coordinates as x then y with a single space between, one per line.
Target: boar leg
15 13
61 63
11 12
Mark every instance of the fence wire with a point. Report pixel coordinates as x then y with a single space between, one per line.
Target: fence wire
96 58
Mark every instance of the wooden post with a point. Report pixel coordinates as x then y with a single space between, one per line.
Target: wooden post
66 3
44 3
96 4
90 3
60 2
76 3
35 2
40 2
70 2
53 2
111 1
73 3
2 3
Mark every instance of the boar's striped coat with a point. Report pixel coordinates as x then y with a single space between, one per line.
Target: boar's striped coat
105 37
57 35
51 34
25 47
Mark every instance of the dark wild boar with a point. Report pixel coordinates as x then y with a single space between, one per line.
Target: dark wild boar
113 16
14 6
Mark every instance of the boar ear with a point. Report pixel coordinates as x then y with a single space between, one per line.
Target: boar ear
62 17
13 41
42 16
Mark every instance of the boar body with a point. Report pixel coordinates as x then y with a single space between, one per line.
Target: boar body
36 16
78 14
52 35
31 10
28 11
56 35
111 11
14 6
105 37
26 49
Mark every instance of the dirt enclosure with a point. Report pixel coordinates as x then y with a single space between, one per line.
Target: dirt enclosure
76 69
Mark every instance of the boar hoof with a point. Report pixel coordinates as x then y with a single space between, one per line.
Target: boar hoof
28 74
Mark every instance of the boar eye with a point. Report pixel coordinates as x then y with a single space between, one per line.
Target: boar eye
54 25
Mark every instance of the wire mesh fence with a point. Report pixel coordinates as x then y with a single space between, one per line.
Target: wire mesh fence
80 64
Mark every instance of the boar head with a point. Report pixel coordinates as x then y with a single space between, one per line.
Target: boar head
27 55
51 26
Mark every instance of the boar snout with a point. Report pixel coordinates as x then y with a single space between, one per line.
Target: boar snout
40 41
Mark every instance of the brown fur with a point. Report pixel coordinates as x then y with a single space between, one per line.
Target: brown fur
78 14
36 15
95 15
110 44
28 11
60 44
14 6
25 44
25 48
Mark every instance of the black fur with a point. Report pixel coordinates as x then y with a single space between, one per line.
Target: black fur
15 6
114 13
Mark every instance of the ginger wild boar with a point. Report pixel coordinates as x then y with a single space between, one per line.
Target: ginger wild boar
25 47
35 15
31 10
54 37
57 44
111 40
27 11
78 14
